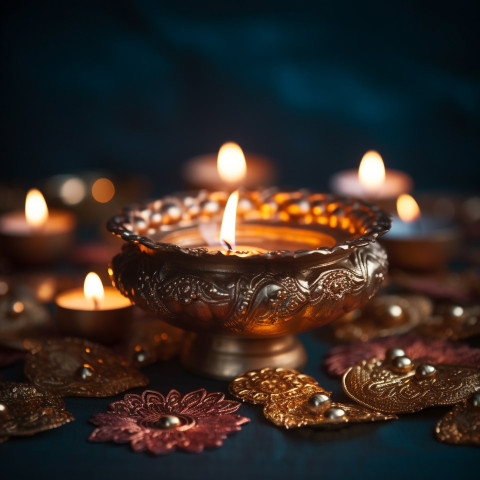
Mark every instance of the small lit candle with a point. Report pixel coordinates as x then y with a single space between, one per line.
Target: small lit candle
36 236
252 238
202 172
95 312
232 169
372 182
419 242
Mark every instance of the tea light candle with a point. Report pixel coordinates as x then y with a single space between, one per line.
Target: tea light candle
38 236
95 312
202 172
419 242
373 182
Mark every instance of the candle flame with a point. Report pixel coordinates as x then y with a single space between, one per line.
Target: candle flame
227 231
93 288
231 164
36 211
407 208
371 172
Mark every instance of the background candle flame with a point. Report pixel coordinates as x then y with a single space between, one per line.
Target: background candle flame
371 172
407 208
93 288
36 211
227 231
231 164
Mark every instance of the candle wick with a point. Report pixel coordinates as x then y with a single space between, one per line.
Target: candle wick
96 303
228 245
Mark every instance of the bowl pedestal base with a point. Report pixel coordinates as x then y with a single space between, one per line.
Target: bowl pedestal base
225 357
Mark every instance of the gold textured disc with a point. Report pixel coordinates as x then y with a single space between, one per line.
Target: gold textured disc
260 386
77 367
461 425
382 386
295 412
26 410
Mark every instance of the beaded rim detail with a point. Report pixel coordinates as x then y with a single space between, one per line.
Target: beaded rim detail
134 223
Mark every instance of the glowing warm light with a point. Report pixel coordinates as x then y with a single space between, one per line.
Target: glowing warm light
46 290
73 191
227 231
407 208
103 190
371 172
36 211
18 307
231 164
93 288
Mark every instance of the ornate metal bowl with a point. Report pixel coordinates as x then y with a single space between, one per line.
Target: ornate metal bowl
245 308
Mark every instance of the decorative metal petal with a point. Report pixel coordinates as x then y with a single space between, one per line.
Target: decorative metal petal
26 410
385 315
161 424
377 385
293 400
260 386
77 367
294 412
461 425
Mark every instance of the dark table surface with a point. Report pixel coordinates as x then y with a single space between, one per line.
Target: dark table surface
401 449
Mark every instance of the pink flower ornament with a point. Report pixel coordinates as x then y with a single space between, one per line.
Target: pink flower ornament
159 425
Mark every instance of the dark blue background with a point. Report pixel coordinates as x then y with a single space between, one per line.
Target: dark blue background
143 85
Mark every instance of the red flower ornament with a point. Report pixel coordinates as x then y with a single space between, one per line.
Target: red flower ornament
159 425
339 359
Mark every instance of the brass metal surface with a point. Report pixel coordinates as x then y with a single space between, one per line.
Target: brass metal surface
292 400
150 340
225 356
22 317
383 316
77 367
260 296
294 412
26 410
461 426
453 320
401 386
261 386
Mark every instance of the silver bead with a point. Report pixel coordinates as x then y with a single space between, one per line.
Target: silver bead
171 212
475 399
456 311
85 372
425 370
334 412
395 311
394 352
317 401
167 421
402 364
140 355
